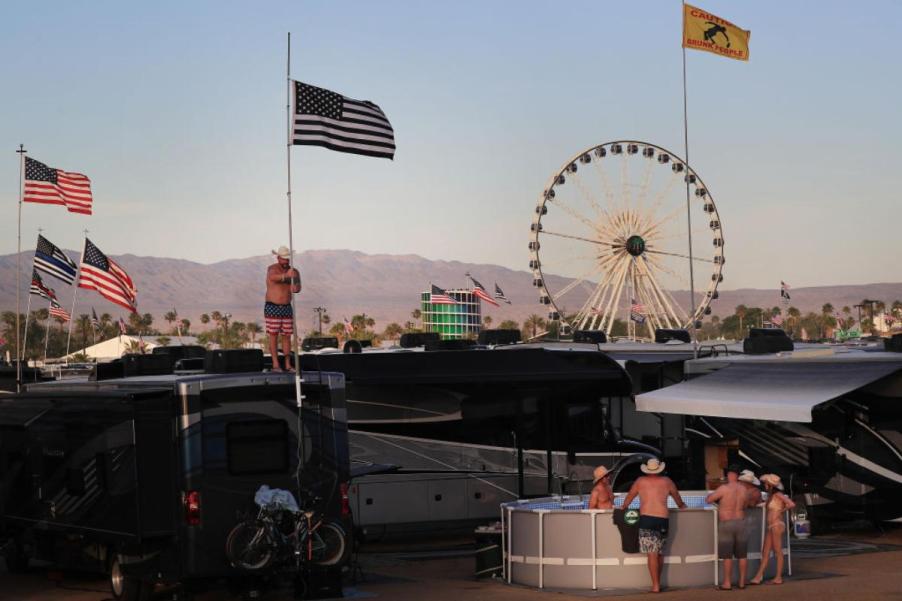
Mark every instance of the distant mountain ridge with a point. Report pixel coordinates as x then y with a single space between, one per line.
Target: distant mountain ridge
346 282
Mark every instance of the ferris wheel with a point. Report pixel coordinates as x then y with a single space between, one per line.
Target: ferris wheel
613 222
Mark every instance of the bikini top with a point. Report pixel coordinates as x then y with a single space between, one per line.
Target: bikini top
774 503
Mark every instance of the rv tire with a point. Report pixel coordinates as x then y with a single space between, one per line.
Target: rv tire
127 588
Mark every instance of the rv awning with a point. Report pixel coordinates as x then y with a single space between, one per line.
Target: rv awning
782 392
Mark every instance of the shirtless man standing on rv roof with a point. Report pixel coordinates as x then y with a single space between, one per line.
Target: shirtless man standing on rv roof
281 281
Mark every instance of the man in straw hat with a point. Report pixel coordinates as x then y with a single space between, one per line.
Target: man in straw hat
602 494
752 486
732 534
653 489
281 281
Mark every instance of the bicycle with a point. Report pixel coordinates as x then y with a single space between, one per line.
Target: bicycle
281 539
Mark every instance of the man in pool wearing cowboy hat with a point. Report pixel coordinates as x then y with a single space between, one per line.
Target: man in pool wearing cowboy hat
281 281
653 489
602 496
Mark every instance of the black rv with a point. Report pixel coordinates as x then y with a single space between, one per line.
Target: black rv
143 477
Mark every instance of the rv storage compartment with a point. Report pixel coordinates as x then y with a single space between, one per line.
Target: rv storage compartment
233 361
135 364
762 341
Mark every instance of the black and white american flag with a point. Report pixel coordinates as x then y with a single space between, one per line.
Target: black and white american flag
328 119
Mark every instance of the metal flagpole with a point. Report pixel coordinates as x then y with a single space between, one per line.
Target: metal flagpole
47 330
25 332
75 294
21 152
299 397
688 197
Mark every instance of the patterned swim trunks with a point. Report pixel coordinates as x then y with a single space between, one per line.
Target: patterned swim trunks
279 318
652 534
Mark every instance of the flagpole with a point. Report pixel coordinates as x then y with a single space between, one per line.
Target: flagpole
25 332
299 398
47 330
688 197
75 294
21 152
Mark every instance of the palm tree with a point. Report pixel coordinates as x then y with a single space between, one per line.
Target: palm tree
216 317
827 318
793 317
487 321
508 324
171 317
186 326
392 331
416 314
204 318
254 329
896 308
741 312
533 323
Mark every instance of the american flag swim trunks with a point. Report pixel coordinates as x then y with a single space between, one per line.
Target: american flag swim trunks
279 318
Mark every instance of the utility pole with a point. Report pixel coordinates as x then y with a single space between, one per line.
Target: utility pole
320 311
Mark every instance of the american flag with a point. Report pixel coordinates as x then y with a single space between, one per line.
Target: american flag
326 118
637 311
777 320
440 297
50 259
784 291
122 326
38 287
50 186
57 311
95 323
100 273
479 292
499 294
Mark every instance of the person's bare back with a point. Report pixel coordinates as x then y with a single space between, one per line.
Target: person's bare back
732 498
653 492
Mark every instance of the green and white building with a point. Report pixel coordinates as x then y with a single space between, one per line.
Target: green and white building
461 320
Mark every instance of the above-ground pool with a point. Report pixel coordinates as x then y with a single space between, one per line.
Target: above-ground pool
557 543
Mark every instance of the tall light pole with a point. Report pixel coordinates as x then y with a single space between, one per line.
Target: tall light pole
320 311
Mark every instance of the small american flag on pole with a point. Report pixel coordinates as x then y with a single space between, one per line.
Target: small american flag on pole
100 273
784 291
499 294
95 323
38 287
57 311
50 186
479 292
637 312
122 327
440 297
325 118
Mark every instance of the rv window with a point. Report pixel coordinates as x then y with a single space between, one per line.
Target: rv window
257 447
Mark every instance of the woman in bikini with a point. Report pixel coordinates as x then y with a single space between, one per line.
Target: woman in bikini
777 505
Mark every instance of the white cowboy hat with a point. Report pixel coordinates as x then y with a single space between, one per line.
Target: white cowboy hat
599 473
749 477
282 253
773 480
652 466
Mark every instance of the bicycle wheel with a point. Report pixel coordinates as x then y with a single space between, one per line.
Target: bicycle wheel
329 543
249 547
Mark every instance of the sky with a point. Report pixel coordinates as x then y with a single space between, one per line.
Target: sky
176 110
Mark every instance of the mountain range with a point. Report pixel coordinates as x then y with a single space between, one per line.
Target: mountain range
346 282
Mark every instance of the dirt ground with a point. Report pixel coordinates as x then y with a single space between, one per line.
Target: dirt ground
855 565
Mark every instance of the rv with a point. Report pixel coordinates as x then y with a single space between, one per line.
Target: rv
143 477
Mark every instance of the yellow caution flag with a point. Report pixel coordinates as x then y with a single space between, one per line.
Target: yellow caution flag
707 32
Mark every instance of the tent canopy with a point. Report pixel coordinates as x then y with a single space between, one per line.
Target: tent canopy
779 392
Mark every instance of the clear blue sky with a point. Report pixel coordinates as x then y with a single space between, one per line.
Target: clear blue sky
176 111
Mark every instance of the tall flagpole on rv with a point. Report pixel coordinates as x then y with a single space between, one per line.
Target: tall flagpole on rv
686 177
299 398
75 294
21 152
